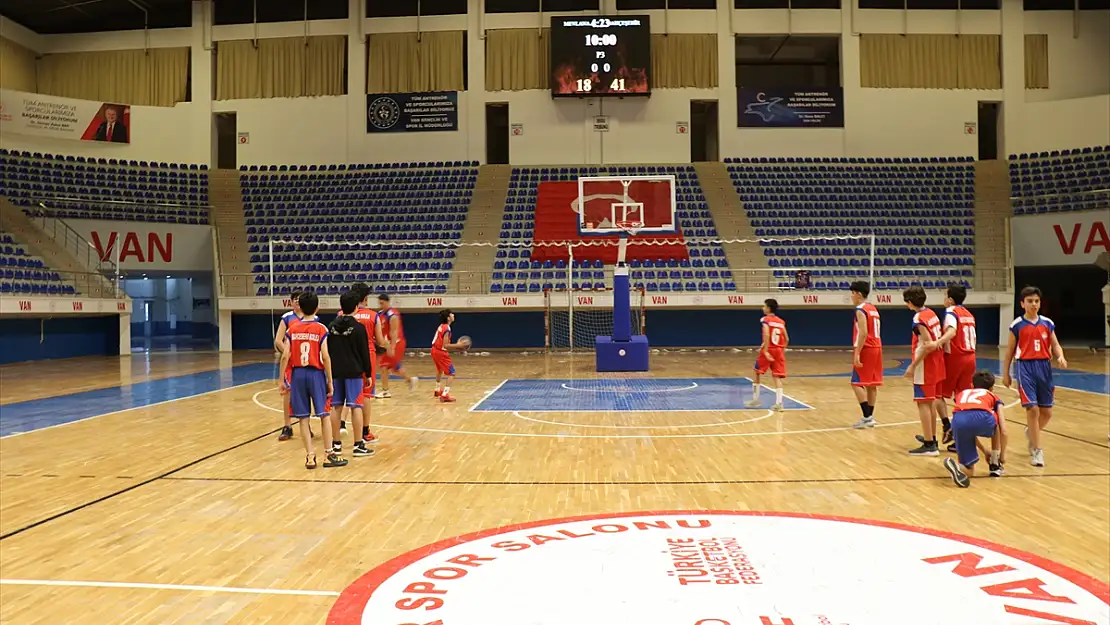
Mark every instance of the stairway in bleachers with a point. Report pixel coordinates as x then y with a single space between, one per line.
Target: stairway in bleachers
473 263
992 209
732 223
231 230
37 243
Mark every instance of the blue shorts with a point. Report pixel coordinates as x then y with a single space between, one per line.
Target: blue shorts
1034 378
967 425
348 392
308 393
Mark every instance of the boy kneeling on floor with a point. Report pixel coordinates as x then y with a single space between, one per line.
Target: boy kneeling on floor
978 414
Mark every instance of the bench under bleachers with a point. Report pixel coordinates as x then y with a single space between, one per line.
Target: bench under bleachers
403 214
75 187
1060 180
705 269
920 209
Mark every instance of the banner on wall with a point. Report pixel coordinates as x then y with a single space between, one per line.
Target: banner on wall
64 118
412 112
1056 239
141 246
786 108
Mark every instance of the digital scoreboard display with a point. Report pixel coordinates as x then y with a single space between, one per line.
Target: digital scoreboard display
600 56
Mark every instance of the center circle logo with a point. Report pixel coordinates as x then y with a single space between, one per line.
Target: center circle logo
719 568
384 113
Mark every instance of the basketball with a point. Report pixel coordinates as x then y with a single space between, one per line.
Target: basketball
465 342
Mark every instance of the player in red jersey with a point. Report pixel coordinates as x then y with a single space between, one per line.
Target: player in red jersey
772 353
279 346
978 414
441 343
370 320
958 342
1032 344
867 353
926 369
391 360
311 382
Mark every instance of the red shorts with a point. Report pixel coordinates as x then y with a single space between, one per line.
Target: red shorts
286 380
393 363
368 384
777 366
958 369
871 373
443 362
930 391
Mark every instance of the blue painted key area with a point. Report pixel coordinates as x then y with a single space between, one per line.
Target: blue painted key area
41 413
637 395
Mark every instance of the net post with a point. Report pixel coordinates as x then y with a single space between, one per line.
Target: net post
271 245
570 297
871 268
119 246
547 320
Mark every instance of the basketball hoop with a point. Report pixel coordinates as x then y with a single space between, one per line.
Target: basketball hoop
630 227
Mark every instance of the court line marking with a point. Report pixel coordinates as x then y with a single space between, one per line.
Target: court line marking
791 397
189 587
644 427
488 394
693 385
108 414
591 436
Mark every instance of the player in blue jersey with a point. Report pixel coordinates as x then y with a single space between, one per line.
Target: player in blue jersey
280 345
1032 344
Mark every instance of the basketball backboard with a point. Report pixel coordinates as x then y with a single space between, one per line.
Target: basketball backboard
605 202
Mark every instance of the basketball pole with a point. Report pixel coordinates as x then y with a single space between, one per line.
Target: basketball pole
570 294
622 323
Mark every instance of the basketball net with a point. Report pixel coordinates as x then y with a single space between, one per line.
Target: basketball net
629 226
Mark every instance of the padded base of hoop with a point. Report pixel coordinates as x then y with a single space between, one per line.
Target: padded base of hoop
610 358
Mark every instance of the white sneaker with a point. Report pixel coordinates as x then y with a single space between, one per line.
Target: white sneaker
864 423
755 403
778 408
412 383
383 395
1037 458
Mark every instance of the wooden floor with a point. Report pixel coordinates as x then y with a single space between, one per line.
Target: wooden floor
198 492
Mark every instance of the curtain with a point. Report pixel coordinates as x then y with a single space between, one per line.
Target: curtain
415 62
684 60
285 67
930 61
1036 61
155 77
518 59
17 67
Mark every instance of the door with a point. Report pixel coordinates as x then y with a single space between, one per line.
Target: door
988 131
703 131
227 142
148 309
497 133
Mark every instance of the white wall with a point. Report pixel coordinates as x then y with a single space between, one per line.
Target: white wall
878 122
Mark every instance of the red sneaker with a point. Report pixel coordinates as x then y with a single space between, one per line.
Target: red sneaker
446 399
437 393
370 439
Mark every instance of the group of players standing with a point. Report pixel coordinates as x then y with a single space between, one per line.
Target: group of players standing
330 371
943 367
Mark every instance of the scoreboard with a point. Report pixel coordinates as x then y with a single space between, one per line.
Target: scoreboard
600 56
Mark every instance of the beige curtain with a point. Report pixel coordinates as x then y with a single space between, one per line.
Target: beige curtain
156 77
930 61
684 60
415 62
286 67
518 59
17 67
1036 61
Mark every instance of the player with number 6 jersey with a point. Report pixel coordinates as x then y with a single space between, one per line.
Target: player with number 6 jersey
772 354
867 353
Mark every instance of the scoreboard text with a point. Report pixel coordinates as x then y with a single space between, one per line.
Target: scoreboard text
600 56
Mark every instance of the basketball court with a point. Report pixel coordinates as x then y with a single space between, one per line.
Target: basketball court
158 493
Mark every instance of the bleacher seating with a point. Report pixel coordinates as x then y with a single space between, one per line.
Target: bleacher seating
515 272
398 208
23 274
921 211
1067 180
75 187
